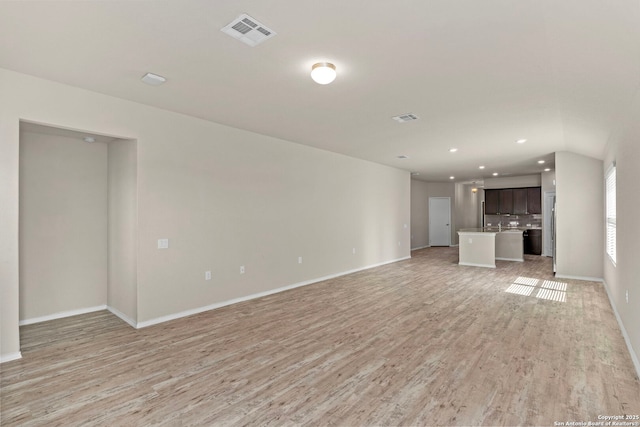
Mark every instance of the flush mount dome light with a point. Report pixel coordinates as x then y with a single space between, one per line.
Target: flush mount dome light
323 73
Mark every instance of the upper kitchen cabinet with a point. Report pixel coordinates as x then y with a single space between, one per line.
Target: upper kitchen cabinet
520 198
515 201
492 202
506 201
498 202
534 201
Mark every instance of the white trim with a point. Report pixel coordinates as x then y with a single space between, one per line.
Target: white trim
10 357
588 279
470 264
122 316
61 315
627 340
193 311
420 247
510 259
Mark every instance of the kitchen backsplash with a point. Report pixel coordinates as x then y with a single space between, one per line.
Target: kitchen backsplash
514 220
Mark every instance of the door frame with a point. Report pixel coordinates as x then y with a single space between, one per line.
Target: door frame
449 220
547 217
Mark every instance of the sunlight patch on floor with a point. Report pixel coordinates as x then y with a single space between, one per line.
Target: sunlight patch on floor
547 290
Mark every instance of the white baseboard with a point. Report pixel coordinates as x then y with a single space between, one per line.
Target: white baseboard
191 312
588 279
627 340
62 314
10 357
420 247
122 316
470 264
510 259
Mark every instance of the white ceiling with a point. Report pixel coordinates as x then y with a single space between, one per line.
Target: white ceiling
478 74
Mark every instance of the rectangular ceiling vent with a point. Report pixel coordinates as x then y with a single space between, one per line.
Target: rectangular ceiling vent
248 30
405 118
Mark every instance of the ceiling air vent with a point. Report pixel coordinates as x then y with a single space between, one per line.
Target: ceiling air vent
405 118
248 30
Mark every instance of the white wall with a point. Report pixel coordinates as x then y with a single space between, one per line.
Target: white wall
624 149
513 181
420 193
222 196
467 208
63 225
122 290
579 213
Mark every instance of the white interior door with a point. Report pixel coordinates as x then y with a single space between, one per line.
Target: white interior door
439 221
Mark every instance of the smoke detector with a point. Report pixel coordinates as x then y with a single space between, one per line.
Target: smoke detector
248 30
405 118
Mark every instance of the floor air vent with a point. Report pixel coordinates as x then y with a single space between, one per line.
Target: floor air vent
248 30
405 118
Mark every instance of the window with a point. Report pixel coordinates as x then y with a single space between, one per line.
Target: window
610 192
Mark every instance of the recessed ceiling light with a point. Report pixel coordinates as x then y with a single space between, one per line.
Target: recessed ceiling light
547 169
452 177
89 139
480 167
153 79
453 150
402 157
541 161
495 174
521 141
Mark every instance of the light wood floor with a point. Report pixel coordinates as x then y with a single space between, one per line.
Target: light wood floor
419 342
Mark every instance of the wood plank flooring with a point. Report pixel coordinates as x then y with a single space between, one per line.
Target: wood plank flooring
418 342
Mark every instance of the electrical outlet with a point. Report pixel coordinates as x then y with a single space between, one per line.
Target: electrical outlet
299 260
242 269
207 275
163 243
354 251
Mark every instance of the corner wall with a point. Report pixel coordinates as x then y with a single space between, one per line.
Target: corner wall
223 197
63 225
580 216
122 291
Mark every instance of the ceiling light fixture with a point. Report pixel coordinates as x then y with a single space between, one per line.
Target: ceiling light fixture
453 150
521 141
452 177
480 167
495 174
153 79
547 169
541 161
89 139
323 73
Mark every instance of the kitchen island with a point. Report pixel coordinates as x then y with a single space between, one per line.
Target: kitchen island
481 247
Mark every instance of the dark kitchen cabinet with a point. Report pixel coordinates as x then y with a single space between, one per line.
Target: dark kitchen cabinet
491 202
498 202
506 201
534 200
520 198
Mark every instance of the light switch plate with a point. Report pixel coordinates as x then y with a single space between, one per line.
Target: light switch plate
163 243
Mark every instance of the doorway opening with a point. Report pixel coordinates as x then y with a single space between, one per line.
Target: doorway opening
78 223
